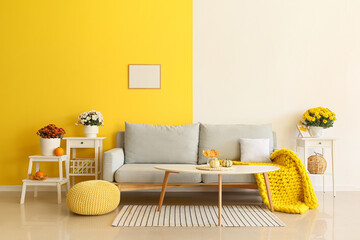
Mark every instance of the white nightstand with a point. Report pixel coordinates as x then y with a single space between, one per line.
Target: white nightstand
85 166
323 143
50 181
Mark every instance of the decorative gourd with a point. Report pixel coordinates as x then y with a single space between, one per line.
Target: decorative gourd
39 174
214 163
226 163
59 151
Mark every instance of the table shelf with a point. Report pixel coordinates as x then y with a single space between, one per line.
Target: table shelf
46 181
324 174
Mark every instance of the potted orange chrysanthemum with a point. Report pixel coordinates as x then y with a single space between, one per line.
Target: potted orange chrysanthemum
50 139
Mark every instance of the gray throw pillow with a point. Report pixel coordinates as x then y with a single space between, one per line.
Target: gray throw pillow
146 143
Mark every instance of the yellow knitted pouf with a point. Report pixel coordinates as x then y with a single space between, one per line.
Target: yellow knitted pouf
93 197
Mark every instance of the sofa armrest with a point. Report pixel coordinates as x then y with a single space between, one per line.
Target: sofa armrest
113 160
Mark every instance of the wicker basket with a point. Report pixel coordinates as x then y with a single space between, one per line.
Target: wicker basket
317 164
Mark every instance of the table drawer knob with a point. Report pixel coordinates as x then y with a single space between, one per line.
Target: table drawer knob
319 143
82 142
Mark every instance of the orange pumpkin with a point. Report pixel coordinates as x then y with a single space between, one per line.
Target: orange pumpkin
59 151
39 174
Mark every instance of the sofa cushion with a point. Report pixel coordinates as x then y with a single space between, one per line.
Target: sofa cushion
225 138
146 173
242 178
146 143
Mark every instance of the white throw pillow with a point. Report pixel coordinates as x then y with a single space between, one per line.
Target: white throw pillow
255 150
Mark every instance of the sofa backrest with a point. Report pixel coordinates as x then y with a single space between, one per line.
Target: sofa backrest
235 149
120 139
225 138
146 143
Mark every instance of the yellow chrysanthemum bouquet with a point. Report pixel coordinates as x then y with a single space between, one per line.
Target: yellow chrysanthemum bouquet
318 117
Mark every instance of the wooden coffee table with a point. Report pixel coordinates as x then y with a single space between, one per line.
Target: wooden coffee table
241 169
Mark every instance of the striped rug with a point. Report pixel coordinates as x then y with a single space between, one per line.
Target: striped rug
195 216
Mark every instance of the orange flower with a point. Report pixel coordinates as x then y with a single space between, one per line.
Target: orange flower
211 153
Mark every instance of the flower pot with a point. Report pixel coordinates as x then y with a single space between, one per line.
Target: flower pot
48 145
317 132
91 131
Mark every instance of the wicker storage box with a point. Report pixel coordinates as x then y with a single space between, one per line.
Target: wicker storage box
317 164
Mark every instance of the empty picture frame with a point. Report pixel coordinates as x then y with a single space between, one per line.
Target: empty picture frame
147 76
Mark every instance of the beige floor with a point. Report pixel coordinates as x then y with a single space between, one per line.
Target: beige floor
42 218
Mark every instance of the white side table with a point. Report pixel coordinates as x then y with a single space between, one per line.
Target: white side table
323 143
50 181
85 166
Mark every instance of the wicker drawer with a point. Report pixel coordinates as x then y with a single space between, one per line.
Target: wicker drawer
82 144
318 143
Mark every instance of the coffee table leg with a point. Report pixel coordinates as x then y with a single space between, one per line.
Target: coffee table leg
267 184
166 178
220 199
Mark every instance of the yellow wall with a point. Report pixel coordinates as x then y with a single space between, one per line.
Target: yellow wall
60 58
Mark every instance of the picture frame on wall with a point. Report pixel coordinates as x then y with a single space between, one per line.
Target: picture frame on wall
144 76
303 131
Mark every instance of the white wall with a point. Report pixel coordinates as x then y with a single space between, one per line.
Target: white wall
258 61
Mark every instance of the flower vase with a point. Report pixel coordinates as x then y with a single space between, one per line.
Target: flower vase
91 131
317 132
210 159
48 145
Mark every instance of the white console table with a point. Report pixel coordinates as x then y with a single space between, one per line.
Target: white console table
85 166
323 143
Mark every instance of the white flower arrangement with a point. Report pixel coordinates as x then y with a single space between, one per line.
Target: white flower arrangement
91 118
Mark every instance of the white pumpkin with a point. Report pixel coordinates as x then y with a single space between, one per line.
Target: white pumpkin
226 163
214 163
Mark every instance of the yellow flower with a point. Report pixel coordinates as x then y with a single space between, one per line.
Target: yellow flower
300 122
325 121
331 118
318 116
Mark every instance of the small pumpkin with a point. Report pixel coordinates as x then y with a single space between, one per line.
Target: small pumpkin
226 163
59 151
39 174
214 163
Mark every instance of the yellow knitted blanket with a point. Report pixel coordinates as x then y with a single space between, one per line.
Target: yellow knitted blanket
291 189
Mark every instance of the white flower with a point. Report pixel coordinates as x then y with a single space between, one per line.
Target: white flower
86 117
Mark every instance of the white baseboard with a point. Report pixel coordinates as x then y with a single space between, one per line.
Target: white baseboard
17 188
338 188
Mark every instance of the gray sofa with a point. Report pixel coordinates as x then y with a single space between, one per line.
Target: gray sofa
144 146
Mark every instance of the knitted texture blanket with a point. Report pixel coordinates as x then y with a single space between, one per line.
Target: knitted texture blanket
291 189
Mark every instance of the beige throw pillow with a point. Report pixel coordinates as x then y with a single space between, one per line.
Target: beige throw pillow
255 150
